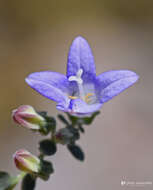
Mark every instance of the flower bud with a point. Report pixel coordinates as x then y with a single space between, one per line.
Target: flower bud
26 162
26 116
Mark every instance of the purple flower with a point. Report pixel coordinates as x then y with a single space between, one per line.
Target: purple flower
81 92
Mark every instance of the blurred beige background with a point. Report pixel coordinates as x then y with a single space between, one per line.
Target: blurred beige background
35 36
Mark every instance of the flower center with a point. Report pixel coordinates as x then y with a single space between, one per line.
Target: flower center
78 79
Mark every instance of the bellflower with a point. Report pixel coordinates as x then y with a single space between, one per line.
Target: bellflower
81 92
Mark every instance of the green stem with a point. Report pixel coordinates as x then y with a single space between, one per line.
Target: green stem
20 176
15 180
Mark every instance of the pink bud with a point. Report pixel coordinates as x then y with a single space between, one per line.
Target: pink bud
26 162
26 116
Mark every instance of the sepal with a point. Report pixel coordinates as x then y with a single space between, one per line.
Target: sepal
46 169
83 120
50 125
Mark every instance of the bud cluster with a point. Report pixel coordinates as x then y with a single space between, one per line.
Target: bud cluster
31 166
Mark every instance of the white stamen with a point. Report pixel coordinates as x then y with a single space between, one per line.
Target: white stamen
72 78
77 78
79 81
89 98
79 73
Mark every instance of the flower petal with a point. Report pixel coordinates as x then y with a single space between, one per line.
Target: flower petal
114 82
50 84
80 108
80 57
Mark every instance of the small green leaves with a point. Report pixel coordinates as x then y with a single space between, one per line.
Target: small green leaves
81 128
47 147
28 182
42 113
7 182
45 170
62 118
50 125
76 152
73 119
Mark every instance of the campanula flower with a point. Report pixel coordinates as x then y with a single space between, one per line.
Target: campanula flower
81 92
26 116
26 162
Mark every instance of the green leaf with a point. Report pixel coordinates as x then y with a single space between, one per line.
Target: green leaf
76 152
51 121
42 113
50 125
73 119
47 147
74 131
6 181
45 170
62 118
81 128
28 182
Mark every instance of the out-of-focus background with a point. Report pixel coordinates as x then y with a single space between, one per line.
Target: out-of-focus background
35 36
